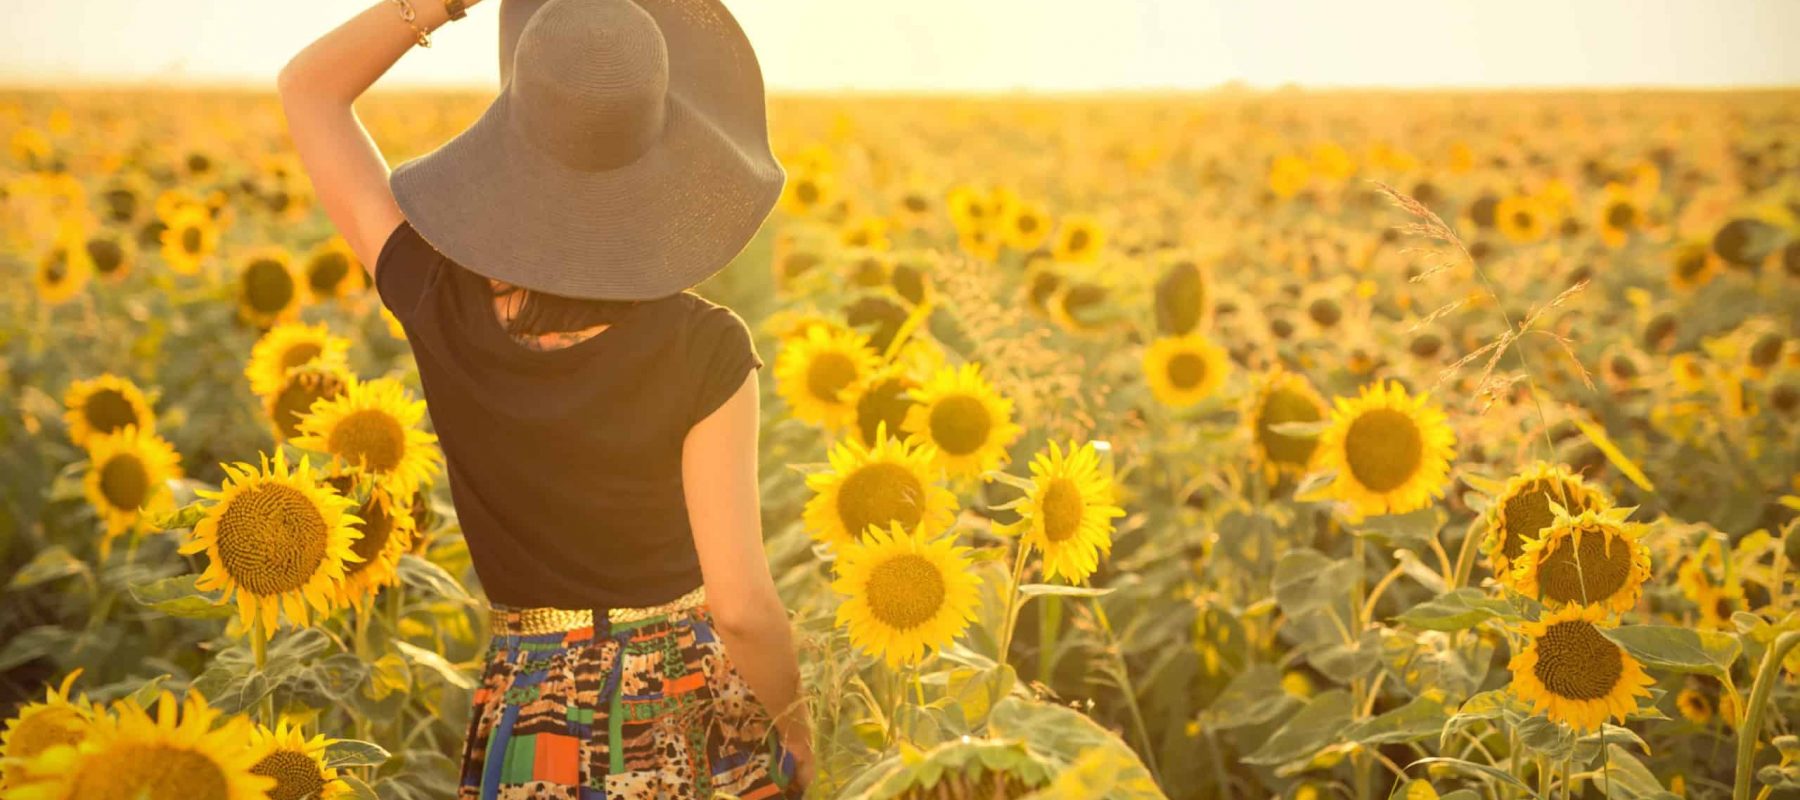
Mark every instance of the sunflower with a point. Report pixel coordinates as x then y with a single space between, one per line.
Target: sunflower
1284 397
126 479
1577 675
1076 306
892 482
105 404
905 593
807 191
332 271
268 288
1183 370
1619 216
979 243
1521 508
1391 451
1521 219
288 345
296 763
1586 558
972 209
372 427
111 254
967 421
815 368
302 387
1024 226
1288 174
1067 511
189 238
1694 705
62 271
882 396
1717 602
40 726
277 539
387 528
867 231
176 756
1078 239
1692 265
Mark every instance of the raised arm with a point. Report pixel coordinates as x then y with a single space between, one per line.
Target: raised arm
318 87
718 465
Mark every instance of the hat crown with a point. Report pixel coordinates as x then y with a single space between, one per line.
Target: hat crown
590 82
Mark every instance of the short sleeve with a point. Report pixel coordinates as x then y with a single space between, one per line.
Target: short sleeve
401 271
724 354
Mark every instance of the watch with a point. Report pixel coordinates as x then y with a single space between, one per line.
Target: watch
455 9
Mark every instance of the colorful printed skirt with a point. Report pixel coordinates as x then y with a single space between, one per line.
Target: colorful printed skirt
649 708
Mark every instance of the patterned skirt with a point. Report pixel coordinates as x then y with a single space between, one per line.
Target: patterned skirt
641 709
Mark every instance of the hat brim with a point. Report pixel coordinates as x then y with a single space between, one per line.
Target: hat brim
495 202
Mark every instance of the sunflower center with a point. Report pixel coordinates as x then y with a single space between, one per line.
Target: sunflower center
50 726
106 254
829 374
905 591
297 397
1026 223
108 410
1384 449
125 482
1604 568
154 772
1576 662
300 354
328 270
1061 507
191 240
960 424
1078 240
1527 513
370 438
1620 215
1691 264
1522 220
268 286
1287 406
271 539
880 493
807 191
377 527
884 402
296 775
1187 370
56 266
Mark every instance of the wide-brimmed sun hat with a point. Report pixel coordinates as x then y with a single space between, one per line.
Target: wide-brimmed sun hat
626 157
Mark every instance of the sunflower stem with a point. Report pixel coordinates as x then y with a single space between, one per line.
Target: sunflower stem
259 654
1130 689
1006 621
1751 729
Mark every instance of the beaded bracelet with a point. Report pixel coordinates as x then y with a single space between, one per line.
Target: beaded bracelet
410 15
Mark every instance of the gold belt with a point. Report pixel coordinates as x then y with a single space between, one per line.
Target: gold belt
545 619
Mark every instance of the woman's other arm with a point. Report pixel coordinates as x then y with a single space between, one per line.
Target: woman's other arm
718 465
318 86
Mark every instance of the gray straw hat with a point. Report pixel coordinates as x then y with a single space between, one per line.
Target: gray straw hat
627 156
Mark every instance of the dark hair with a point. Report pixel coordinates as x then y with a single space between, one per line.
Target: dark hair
541 312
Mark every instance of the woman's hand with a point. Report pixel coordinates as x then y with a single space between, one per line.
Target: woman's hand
805 770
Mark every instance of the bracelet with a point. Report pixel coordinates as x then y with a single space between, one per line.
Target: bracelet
455 9
410 15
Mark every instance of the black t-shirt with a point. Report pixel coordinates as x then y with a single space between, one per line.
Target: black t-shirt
565 465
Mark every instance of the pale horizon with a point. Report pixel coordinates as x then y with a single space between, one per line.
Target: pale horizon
1050 46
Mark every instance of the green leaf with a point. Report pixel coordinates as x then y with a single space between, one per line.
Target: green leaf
358 789
49 564
1040 589
1679 649
182 518
178 597
146 695
1458 610
355 753
1420 719
422 574
1472 768
428 659
1253 697
1413 530
1314 726
975 690
1307 579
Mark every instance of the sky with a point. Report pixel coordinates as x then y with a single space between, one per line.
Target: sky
997 45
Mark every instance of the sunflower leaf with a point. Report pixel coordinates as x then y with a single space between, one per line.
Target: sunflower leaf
49 564
1314 726
1676 648
178 597
180 519
355 753
358 789
424 574
428 659
1458 610
1472 768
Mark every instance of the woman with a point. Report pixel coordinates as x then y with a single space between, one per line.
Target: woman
598 418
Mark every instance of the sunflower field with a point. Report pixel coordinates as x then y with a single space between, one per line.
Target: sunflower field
1227 445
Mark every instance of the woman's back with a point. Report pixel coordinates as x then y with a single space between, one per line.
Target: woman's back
565 464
